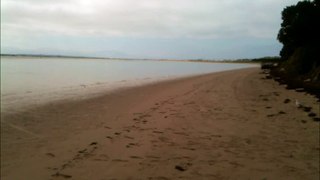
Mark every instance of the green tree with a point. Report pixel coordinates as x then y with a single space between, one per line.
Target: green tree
300 27
300 36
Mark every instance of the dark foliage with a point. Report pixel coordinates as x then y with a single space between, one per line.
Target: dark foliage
300 27
300 55
267 60
300 36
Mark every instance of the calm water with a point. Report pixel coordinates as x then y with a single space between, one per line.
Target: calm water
26 80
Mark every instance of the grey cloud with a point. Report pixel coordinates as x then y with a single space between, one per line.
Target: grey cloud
43 25
142 18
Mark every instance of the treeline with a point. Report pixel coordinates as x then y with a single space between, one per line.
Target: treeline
266 60
300 55
300 36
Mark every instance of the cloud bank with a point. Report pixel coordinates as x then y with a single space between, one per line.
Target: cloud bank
37 24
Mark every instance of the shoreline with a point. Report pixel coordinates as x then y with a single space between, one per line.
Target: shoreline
194 127
240 61
17 101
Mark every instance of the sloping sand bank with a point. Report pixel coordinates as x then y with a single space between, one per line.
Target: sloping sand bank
227 125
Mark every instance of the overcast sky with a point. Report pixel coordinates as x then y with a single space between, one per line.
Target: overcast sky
175 29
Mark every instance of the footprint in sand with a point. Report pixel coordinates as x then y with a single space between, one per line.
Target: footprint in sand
93 143
276 93
159 178
236 164
181 133
152 157
136 157
119 160
50 154
102 157
82 151
129 137
154 108
132 144
145 116
182 166
216 135
163 139
61 175
160 132
189 148
109 137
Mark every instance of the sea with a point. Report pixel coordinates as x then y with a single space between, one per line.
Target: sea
28 81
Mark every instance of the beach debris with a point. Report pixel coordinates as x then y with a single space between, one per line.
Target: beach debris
299 89
268 77
180 168
307 109
303 121
298 104
312 114
286 101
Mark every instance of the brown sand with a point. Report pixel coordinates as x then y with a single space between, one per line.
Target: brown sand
227 125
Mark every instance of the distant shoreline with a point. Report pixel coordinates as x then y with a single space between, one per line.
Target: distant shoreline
142 59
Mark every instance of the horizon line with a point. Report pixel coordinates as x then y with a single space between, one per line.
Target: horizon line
119 58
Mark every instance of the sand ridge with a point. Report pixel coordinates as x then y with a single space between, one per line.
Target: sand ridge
226 125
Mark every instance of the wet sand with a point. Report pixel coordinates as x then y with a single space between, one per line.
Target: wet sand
227 125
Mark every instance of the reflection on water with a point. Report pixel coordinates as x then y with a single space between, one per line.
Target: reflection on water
27 78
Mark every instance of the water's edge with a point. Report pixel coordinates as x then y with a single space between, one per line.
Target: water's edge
25 85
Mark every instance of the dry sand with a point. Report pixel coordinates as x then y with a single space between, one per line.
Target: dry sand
227 125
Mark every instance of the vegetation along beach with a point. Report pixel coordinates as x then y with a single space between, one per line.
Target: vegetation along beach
160 90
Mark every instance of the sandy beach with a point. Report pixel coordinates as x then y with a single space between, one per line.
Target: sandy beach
228 125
